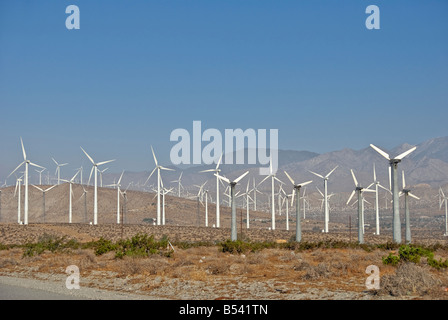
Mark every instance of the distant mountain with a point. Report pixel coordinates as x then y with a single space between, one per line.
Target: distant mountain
428 164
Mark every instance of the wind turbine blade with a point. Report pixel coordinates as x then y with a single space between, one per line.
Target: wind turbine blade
104 162
37 188
404 154
154 156
381 152
374 173
331 172
320 176
91 160
402 179
379 185
354 178
23 149
35 165
208 170
263 180
55 161
150 176
51 187
219 161
240 177
163 168
275 178
222 178
15 169
320 192
368 190
119 180
304 184
290 179
390 179
370 185
351 196
91 171
74 176
413 196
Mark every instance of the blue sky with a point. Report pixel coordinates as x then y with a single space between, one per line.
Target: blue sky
137 70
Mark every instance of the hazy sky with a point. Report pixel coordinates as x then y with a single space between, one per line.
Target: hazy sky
137 70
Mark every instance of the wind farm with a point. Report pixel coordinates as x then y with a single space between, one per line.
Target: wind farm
286 150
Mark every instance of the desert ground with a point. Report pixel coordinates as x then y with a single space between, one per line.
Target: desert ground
204 272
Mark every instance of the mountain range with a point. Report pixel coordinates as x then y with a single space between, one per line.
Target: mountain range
427 165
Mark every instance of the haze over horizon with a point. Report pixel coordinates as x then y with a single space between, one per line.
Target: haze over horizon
136 71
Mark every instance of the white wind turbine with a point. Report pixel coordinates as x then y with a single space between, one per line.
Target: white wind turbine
377 184
80 176
273 177
179 185
40 175
444 199
158 168
233 230
255 190
297 187
71 182
200 196
407 192
164 192
326 212
216 171
58 169
395 193
118 185
247 203
26 162
43 197
359 190
101 176
19 201
95 198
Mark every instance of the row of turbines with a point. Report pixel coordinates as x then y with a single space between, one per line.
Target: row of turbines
161 191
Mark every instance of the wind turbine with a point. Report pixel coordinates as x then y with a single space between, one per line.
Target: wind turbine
233 230
377 184
273 177
117 185
247 203
407 192
394 181
359 190
71 181
40 175
297 187
179 185
255 194
444 199
85 202
80 177
19 209
26 162
43 197
58 169
95 168
158 168
216 171
124 193
326 213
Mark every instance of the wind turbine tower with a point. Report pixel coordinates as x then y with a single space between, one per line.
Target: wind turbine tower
393 162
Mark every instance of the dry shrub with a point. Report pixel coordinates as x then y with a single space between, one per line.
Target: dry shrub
409 279
256 258
87 259
218 267
5 262
322 270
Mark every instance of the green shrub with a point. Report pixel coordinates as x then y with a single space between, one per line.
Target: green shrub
103 246
411 253
49 243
